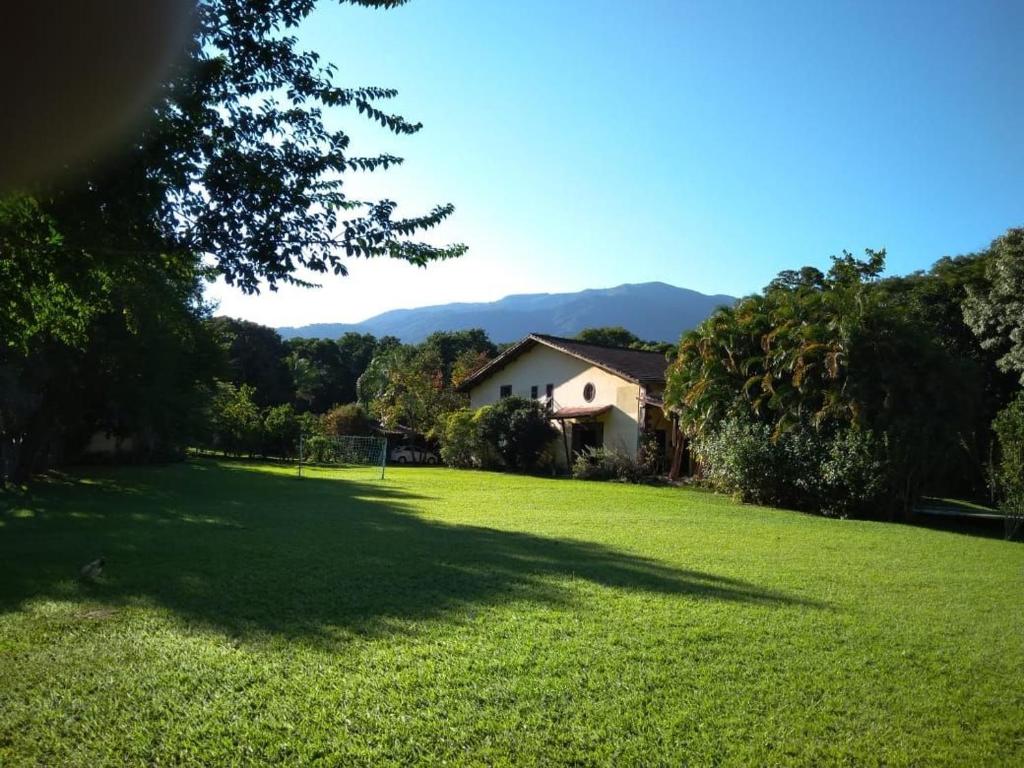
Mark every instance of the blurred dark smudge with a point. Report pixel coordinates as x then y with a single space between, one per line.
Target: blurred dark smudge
78 76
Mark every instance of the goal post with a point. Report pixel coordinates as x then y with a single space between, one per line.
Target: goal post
343 451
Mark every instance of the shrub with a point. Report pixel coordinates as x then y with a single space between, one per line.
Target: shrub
1009 469
606 464
487 456
236 420
460 439
853 478
518 430
649 456
836 473
281 431
311 424
318 449
350 419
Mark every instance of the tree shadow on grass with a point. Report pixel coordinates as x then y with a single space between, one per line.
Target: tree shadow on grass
247 551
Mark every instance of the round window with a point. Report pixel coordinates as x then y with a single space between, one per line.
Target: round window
588 392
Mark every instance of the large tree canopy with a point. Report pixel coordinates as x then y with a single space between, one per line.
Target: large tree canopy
238 164
236 173
256 356
846 352
995 312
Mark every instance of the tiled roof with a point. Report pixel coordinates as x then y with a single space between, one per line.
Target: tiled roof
631 364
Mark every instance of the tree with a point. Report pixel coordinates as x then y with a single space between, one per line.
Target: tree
519 430
238 166
356 351
350 419
327 372
609 336
93 344
468 362
455 349
460 439
409 390
996 312
935 301
319 373
835 352
617 336
1009 470
235 419
256 356
281 430
238 163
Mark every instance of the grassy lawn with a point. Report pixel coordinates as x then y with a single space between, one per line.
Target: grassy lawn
439 616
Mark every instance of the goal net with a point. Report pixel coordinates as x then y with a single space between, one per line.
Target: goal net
345 451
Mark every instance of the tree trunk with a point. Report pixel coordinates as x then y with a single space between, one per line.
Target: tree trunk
677 455
18 460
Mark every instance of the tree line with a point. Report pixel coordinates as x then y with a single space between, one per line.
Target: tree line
270 391
847 393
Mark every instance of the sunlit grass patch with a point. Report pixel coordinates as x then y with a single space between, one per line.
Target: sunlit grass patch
247 615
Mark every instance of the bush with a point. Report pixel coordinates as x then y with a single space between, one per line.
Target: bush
318 449
460 439
853 477
836 474
350 419
281 431
236 420
487 456
605 464
518 430
311 424
650 455
1009 469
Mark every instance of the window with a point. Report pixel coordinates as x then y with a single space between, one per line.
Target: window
505 391
589 390
533 392
549 390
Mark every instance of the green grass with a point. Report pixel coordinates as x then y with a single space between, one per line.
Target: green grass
470 618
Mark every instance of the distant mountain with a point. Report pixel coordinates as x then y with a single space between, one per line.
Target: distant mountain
653 311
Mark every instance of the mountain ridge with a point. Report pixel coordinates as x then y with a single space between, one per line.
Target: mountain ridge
654 311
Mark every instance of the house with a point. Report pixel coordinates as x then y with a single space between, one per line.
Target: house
597 396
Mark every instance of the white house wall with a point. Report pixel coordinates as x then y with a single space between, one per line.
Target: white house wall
542 365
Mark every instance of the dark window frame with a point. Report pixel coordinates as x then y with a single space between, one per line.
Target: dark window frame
505 390
549 390
589 387
534 392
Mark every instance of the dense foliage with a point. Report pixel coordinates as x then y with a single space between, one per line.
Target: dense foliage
349 419
405 387
518 430
459 436
607 464
995 310
242 164
617 336
94 345
848 368
103 329
1009 467
835 472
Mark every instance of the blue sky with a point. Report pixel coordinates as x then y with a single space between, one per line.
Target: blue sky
709 145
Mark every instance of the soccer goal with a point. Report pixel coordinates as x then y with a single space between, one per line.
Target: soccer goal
345 451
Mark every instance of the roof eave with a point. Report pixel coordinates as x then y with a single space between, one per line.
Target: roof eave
494 365
517 349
